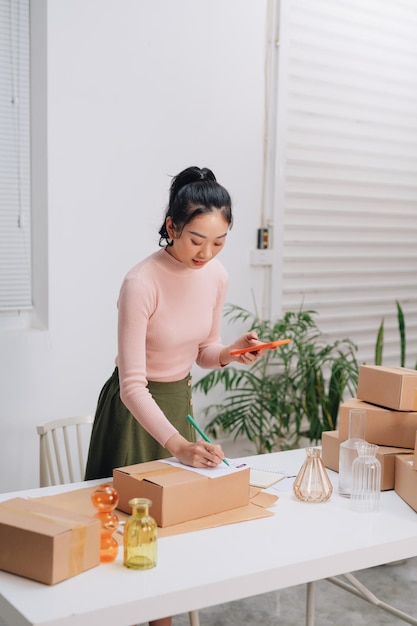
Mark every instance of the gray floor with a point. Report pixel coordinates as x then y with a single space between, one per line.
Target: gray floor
394 584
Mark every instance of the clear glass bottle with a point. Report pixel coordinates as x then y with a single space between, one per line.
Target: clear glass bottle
366 479
312 483
348 450
140 536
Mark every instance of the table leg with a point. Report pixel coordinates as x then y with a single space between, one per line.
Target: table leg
194 618
311 603
355 587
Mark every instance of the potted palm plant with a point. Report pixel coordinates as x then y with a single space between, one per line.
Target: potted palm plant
379 344
290 392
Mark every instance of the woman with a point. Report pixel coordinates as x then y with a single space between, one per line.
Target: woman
169 317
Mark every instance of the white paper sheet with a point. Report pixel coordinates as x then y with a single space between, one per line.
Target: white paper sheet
211 472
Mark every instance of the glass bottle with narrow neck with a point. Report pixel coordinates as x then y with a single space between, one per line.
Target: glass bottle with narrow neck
348 450
140 536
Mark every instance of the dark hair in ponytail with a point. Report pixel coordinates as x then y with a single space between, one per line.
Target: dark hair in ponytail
194 191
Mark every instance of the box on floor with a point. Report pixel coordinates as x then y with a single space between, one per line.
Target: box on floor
46 543
406 479
385 455
177 494
389 387
385 427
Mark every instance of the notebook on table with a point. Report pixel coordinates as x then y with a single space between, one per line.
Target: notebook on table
264 478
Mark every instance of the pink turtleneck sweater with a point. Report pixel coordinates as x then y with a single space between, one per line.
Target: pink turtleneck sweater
169 318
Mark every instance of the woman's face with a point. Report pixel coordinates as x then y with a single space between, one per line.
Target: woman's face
200 240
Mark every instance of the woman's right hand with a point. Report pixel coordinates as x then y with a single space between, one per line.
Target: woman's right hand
195 454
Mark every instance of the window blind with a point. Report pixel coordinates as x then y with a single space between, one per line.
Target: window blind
15 218
349 218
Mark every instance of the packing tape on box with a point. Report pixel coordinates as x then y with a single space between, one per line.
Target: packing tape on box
77 548
151 474
66 522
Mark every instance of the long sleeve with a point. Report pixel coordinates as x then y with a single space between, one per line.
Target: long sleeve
169 318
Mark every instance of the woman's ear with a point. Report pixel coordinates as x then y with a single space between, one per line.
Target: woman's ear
170 227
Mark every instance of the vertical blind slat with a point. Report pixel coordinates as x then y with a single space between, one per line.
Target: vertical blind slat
15 209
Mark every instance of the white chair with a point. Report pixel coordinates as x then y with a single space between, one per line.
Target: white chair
63 446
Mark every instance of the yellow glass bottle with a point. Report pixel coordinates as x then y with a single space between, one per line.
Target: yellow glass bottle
140 536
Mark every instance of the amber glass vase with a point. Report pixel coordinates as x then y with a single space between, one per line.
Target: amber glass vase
105 499
312 483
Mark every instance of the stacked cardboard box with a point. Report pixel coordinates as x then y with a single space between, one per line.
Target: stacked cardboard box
386 455
389 397
390 387
406 479
383 426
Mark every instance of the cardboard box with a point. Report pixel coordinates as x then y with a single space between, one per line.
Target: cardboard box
415 454
330 443
179 495
386 456
390 387
46 543
406 479
384 427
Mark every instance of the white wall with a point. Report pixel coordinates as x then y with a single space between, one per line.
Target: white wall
136 91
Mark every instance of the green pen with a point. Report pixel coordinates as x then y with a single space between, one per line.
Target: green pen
203 434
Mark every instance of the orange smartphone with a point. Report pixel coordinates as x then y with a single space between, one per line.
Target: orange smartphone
261 346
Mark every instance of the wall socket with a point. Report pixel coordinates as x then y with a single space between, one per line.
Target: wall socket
261 257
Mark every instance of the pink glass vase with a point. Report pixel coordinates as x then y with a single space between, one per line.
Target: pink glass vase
312 483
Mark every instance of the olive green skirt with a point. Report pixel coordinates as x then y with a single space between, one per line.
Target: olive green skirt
117 438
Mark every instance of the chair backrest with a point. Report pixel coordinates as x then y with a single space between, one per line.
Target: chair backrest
63 446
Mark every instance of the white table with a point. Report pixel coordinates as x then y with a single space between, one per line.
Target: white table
301 543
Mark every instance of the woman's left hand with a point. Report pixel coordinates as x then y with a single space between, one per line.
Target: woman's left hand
248 340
